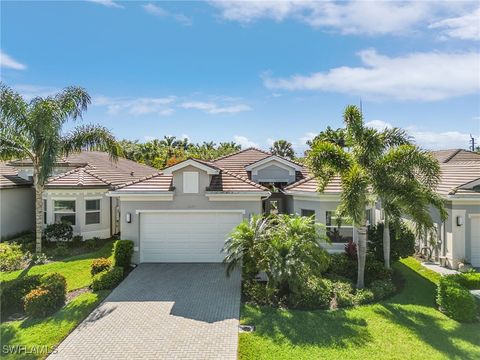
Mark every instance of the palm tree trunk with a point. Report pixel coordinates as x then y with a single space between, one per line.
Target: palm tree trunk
386 242
361 254
38 213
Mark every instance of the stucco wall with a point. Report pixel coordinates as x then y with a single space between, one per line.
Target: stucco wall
273 173
17 210
181 201
89 231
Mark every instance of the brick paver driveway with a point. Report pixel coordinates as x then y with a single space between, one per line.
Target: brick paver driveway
162 311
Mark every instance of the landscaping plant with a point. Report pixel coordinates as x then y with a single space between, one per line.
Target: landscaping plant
108 279
454 297
48 297
99 265
58 232
122 253
11 256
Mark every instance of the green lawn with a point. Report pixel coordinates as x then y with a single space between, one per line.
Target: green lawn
406 326
76 269
47 332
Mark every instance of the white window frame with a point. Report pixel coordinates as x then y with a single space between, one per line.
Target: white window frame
334 226
94 211
63 211
190 182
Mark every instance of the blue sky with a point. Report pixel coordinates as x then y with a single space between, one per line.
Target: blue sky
252 72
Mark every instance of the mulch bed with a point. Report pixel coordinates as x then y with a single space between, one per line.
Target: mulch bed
73 294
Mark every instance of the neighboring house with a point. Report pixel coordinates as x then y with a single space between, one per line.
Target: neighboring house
459 235
16 203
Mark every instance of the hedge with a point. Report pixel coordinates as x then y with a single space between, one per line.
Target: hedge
48 297
107 279
14 291
99 265
454 298
122 253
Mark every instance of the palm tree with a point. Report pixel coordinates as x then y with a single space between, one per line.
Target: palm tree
334 136
357 169
33 130
283 148
170 143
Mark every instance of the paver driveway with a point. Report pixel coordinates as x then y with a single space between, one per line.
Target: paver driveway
162 311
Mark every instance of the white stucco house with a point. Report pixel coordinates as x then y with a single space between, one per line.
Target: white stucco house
184 213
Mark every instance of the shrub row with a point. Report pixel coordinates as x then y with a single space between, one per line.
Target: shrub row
99 265
14 291
343 265
11 256
107 279
454 297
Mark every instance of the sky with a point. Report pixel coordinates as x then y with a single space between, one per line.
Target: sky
253 72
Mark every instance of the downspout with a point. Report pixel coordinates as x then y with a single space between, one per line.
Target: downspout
111 222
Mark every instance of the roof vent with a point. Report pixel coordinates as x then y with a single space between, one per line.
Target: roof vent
132 173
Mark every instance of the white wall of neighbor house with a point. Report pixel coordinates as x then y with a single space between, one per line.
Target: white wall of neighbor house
180 201
17 210
80 197
274 173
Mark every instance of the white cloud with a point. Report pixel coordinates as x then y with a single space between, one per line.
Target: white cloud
161 12
270 141
426 76
430 140
466 27
136 106
346 17
6 61
244 141
213 108
307 137
108 3
29 91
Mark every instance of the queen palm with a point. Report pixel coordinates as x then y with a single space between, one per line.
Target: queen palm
356 169
282 148
33 130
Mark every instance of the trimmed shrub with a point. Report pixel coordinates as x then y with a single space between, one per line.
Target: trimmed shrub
455 300
56 284
258 293
342 265
11 256
122 253
91 243
14 291
61 250
375 270
107 279
58 232
343 294
99 265
38 303
77 241
469 280
363 296
402 241
382 288
315 293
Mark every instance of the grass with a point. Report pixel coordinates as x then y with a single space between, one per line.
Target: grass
406 326
44 334
76 269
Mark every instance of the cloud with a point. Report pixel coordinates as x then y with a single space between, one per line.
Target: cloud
29 91
161 12
244 141
346 17
426 76
430 140
465 27
108 3
213 108
136 106
6 61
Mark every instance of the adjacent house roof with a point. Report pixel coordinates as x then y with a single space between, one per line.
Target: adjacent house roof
455 179
310 185
9 177
156 182
80 177
455 156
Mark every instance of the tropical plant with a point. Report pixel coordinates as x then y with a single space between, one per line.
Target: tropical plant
283 148
33 130
329 135
362 171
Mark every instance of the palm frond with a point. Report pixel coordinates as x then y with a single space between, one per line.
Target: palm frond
73 101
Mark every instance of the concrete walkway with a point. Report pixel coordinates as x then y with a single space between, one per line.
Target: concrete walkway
162 311
439 269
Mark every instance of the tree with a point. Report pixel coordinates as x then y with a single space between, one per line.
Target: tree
334 136
283 148
33 130
360 170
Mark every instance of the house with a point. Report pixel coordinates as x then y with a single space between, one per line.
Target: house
459 235
184 212
16 203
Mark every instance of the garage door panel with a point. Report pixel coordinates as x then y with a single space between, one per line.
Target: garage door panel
185 237
475 240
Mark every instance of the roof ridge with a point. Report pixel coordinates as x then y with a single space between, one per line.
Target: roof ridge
299 182
67 173
452 155
95 175
244 179
240 151
138 180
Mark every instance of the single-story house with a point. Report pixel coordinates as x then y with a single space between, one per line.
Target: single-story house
184 212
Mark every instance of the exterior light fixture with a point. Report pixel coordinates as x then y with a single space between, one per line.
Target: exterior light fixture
128 218
459 220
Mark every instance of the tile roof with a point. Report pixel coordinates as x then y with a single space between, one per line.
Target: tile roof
9 177
231 182
454 176
310 184
455 155
80 177
155 182
236 162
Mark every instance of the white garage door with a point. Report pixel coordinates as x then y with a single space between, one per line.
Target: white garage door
475 240
178 236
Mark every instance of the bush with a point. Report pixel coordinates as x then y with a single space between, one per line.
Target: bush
11 257
56 284
58 232
14 291
61 250
77 241
342 265
402 241
258 293
363 296
38 303
122 253
99 265
107 279
455 300
92 243
351 250
382 288
375 270
315 293
470 281
343 294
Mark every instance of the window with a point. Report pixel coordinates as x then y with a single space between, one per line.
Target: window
307 213
338 233
44 211
368 216
64 211
92 211
190 182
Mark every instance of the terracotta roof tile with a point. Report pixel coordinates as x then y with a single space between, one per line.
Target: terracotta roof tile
156 182
455 155
310 184
9 177
455 175
231 182
80 177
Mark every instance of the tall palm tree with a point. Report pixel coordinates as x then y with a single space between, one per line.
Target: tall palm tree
283 148
357 170
170 143
33 130
334 136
